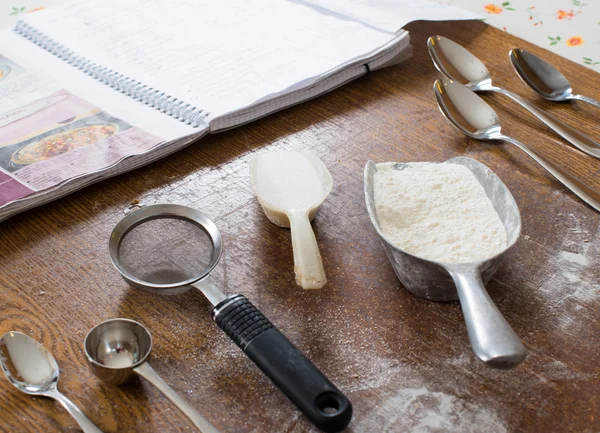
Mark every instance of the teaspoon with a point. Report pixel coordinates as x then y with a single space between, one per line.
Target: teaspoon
467 112
544 78
34 371
459 64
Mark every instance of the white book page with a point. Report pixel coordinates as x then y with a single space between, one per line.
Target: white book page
66 76
217 55
391 15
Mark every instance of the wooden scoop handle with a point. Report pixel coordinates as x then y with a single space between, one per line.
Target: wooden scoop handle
307 260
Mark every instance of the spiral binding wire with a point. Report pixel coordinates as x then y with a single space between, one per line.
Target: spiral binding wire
168 104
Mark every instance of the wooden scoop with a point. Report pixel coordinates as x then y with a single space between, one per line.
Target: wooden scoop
290 186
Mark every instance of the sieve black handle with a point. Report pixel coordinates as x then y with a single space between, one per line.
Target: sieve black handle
292 372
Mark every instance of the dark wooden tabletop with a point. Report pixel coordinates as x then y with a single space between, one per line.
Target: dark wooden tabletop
404 362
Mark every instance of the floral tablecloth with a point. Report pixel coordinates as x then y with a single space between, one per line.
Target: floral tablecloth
570 28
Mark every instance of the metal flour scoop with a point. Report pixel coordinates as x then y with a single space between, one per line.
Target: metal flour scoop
492 338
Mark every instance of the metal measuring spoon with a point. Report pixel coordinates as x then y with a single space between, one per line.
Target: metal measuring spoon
118 349
544 78
473 117
459 64
491 337
34 371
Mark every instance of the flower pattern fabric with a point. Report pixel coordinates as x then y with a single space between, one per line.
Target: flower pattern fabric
570 28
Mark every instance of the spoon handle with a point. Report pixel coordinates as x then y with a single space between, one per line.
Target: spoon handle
587 99
307 259
492 338
84 422
576 138
579 188
148 373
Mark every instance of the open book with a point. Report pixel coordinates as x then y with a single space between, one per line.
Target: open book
93 88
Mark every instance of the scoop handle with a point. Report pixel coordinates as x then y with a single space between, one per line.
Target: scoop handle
492 338
148 373
308 266
292 372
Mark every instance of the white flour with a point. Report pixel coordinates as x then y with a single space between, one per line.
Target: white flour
438 212
419 410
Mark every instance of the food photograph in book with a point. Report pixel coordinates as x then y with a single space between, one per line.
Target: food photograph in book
50 127
61 136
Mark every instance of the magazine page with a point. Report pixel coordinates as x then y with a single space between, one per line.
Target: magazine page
60 125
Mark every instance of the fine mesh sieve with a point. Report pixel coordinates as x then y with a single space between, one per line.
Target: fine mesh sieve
166 249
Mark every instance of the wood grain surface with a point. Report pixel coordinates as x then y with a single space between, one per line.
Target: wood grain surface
405 362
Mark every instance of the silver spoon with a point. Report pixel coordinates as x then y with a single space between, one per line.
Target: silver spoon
118 349
544 78
476 119
459 64
33 370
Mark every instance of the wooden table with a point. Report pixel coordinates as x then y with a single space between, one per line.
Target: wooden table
405 363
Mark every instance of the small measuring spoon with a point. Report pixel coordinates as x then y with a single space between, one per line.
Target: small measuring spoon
544 78
491 337
468 113
290 187
458 64
118 349
33 370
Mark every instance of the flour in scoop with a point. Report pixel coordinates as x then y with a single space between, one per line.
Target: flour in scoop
438 212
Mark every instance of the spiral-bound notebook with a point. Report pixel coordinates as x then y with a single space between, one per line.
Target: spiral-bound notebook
93 88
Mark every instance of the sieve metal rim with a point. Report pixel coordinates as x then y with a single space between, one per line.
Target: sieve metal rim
158 211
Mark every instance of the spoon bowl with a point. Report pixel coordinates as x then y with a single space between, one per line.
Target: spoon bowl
33 370
472 116
27 364
468 113
458 64
544 78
